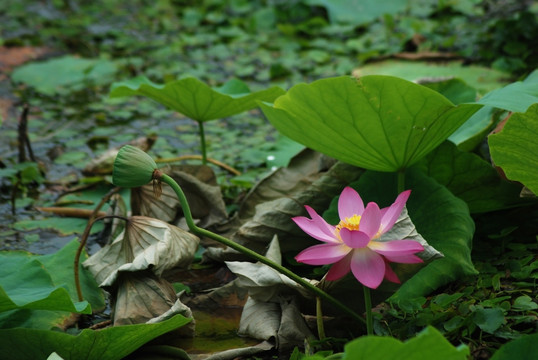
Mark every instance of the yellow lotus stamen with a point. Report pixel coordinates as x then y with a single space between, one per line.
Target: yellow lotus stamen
350 223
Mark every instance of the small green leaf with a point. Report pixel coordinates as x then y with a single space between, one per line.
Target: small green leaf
489 320
427 345
515 148
359 12
524 303
195 99
377 122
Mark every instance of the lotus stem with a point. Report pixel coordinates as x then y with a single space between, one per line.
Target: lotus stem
319 319
244 250
202 142
93 217
401 181
368 305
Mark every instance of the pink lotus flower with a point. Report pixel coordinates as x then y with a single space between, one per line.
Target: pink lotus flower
354 243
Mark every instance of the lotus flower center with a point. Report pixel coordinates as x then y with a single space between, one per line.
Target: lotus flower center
350 223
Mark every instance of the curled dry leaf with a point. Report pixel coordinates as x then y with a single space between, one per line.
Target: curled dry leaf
145 243
141 296
200 186
144 203
310 179
270 311
104 163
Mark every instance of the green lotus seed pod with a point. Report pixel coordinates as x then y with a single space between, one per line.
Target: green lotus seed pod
132 167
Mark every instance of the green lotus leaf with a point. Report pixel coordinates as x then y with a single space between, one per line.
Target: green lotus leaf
515 148
195 99
515 97
428 344
379 123
472 179
110 343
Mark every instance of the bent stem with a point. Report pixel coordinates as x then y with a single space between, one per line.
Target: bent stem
157 174
91 220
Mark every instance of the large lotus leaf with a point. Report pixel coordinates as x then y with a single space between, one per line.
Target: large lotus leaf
377 122
195 99
523 348
428 344
455 90
268 208
146 243
515 148
472 132
471 178
515 97
111 343
27 284
439 216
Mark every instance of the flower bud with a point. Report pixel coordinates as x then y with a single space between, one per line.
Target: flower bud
132 167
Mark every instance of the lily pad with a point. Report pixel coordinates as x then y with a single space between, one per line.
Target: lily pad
379 123
481 78
65 74
515 149
359 12
195 99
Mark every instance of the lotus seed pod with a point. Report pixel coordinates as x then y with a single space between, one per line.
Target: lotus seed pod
132 167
